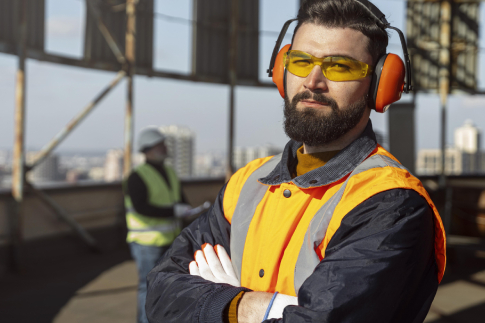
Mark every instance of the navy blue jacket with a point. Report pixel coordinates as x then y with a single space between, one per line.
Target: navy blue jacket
378 267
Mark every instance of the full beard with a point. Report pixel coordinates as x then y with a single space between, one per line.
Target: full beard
316 128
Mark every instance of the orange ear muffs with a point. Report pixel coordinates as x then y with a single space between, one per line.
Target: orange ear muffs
279 70
387 82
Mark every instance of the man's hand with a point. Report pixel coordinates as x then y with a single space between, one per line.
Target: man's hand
214 267
217 268
253 305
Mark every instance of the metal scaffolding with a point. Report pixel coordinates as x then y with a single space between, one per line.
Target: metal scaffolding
20 168
124 64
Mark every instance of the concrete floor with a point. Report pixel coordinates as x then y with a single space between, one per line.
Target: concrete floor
461 295
102 288
110 297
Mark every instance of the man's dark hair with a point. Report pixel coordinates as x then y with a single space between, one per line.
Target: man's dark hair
345 14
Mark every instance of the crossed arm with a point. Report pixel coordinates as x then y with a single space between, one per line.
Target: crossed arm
214 264
379 267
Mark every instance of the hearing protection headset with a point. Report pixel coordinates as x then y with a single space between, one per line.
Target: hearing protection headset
387 83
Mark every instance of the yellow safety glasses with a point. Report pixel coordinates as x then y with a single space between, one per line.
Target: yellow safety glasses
335 68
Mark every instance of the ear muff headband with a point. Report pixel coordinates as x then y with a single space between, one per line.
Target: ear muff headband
387 84
382 22
277 46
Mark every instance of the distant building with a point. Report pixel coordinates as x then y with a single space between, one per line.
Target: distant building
464 159
429 162
467 138
46 171
5 168
96 174
76 175
113 165
181 145
5 158
243 155
211 164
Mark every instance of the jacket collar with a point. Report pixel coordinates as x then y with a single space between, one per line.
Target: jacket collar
338 167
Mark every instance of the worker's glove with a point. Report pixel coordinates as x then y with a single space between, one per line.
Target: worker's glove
214 267
280 302
181 210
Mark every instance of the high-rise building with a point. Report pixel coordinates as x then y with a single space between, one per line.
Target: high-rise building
429 162
467 138
5 158
464 159
46 171
113 165
243 155
181 145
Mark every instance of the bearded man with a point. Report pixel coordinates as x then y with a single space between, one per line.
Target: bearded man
334 229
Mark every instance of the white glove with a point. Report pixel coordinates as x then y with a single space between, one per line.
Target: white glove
214 267
181 210
280 302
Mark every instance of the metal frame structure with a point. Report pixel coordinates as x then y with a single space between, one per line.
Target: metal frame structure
125 68
445 46
19 181
233 80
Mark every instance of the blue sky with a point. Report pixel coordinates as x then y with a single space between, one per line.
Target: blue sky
56 93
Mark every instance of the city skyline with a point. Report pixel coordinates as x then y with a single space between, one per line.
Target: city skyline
464 157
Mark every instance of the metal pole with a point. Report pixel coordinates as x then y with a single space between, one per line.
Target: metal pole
233 80
445 42
445 59
130 52
18 171
74 122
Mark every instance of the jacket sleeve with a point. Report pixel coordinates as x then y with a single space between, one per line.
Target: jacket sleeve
176 296
378 267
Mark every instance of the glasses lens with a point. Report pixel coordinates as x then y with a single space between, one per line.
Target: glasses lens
340 69
335 68
299 63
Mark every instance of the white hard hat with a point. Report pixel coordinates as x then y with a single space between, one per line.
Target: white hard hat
149 137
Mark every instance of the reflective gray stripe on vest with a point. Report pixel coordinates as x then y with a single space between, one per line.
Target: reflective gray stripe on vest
307 258
164 228
251 194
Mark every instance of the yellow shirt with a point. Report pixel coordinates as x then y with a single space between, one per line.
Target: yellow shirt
309 162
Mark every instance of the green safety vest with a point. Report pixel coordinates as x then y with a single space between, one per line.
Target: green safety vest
147 230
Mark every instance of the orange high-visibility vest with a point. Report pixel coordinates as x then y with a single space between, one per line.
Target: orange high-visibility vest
278 231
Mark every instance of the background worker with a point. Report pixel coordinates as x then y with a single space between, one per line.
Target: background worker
334 223
154 203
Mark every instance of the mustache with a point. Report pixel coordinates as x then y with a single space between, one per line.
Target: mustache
319 97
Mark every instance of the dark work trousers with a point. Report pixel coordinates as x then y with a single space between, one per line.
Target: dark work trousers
145 257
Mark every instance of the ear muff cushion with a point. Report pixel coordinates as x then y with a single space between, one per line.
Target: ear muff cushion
279 70
390 84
